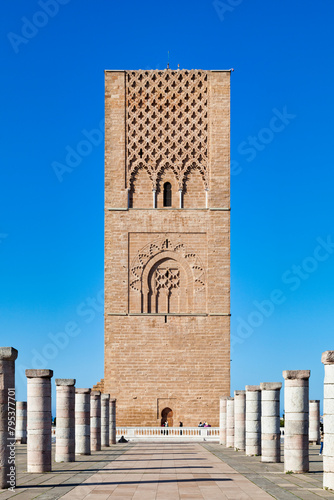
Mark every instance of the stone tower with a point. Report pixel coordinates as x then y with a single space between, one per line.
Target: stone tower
167 245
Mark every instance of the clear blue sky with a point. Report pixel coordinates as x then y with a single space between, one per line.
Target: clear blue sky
51 232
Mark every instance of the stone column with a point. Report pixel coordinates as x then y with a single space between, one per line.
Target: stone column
314 422
253 420
39 420
296 405
230 422
222 420
105 412
112 422
65 422
270 422
8 356
82 421
239 420
95 421
21 422
328 454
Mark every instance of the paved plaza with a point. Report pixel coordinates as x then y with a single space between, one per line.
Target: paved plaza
163 471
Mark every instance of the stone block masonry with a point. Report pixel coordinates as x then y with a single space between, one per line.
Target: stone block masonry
112 422
230 422
296 425
105 416
314 430
239 420
82 421
253 420
222 420
270 422
65 428
167 263
95 421
21 422
328 360
39 420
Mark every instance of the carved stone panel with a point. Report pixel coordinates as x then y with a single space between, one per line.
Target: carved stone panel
167 124
165 276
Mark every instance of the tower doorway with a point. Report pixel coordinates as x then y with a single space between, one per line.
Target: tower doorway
167 416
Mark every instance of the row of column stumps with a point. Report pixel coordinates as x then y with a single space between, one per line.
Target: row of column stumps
34 418
256 420
259 407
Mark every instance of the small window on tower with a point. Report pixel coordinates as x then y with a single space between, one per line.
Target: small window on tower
167 194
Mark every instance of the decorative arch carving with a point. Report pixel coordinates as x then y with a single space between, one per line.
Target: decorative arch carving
167 123
165 267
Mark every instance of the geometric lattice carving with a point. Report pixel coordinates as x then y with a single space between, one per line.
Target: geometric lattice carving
167 123
160 246
167 278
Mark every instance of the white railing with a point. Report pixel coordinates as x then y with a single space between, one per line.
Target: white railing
168 433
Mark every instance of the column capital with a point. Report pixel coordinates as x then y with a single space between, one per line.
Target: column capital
65 381
296 374
8 354
82 391
105 397
270 386
44 373
314 401
113 400
95 394
252 388
239 393
327 358
222 398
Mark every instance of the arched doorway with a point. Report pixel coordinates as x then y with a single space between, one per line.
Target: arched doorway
167 416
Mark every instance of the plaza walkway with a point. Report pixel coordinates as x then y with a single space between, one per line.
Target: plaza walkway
160 471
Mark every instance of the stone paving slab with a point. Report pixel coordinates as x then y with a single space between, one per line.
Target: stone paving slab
168 471
271 477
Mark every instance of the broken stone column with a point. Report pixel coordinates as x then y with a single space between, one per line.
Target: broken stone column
95 420
105 414
327 359
39 420
253 420
21 422
112 422
314 422
8 356
82 421
65 421
239 420
230 422
270 422
222 420
296 405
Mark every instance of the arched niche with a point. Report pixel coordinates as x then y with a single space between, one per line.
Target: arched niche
167 284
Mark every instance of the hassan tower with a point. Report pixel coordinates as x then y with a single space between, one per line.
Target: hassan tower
167 245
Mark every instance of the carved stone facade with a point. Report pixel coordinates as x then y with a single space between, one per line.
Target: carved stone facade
167 245
167 125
